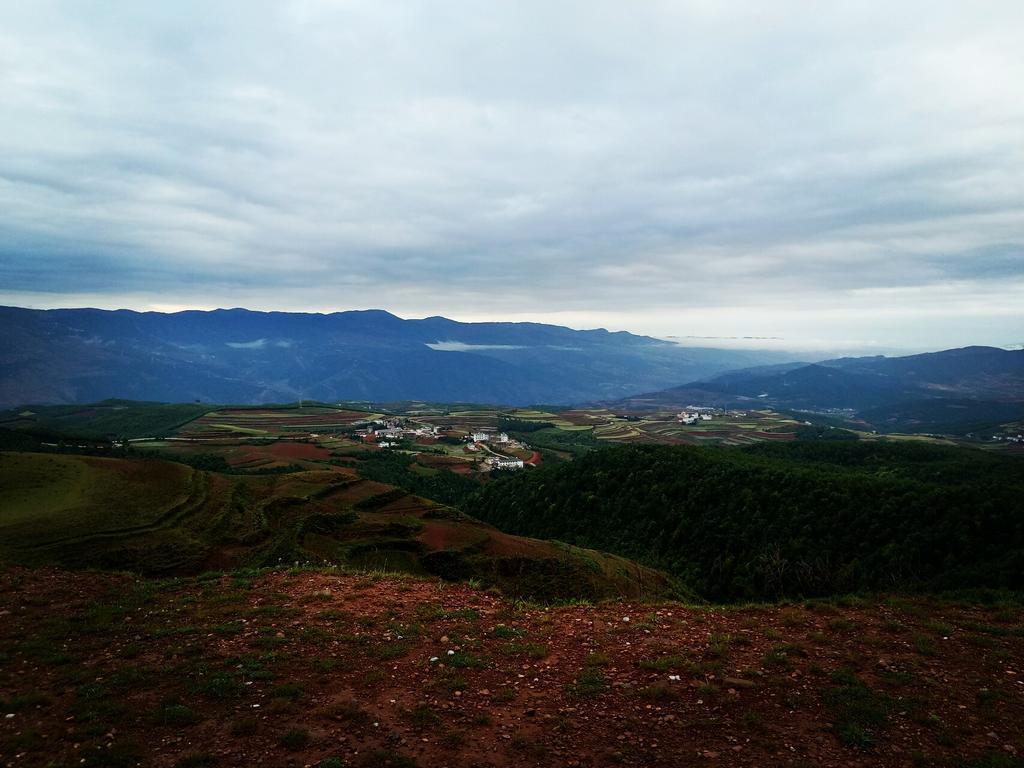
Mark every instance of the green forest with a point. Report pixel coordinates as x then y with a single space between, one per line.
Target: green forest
776 520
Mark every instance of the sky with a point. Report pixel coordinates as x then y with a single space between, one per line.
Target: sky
800 175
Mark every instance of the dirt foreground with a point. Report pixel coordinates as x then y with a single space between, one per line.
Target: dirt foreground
311 668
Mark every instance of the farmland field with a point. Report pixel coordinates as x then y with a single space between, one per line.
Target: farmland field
161 517
270 422
85 494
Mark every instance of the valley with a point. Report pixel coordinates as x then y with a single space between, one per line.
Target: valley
367 584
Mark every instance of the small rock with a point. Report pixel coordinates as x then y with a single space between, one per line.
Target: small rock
738 682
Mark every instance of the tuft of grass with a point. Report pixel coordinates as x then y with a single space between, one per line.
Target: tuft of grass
664 663
22 701
196 760
218 686
504 695
858 713
718 645
924 644
986 697
174 713
588 683
841 625
506 632
289 691
597 660
245 726
118 754
423 716
658 692
465 660
346 711
533 650
295 739
386 758
791 618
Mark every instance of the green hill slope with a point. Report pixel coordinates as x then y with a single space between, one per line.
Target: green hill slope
812 518
160 517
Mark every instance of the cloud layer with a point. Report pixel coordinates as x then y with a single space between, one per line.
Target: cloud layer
844 175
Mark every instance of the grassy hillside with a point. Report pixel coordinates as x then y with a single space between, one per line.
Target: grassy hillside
783 519
110 418
159 517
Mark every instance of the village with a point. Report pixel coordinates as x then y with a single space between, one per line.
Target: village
487 450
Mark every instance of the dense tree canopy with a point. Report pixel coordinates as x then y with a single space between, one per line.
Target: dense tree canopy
800 519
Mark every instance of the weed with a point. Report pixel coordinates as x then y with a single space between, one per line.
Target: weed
118 754
986 697
290 691
533 650
504 695
245 726
465 660
507 632
658 692
295 739
791 618
174 713
718 645
218 686
841 625
23 701
196 760
453 739
423 716
924 645
588 683
385 758
664 664
857 711
346 711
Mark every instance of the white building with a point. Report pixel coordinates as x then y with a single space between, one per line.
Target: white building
501 438
504 463
480 437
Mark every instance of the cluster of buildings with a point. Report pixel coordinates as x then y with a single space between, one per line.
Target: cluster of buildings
388 432
692 416
505 462
483 437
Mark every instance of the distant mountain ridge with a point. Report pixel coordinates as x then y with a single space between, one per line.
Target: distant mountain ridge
244 356
960 387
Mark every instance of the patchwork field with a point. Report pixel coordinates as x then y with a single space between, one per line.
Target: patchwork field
160 517
271 422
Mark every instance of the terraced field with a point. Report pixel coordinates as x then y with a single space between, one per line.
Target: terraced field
269 422
160 517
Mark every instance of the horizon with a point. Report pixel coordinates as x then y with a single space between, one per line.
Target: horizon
848 178
815 351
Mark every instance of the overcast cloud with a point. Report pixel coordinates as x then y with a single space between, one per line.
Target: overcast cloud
833 174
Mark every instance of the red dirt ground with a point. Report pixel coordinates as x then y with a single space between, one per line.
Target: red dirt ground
307 451
292 668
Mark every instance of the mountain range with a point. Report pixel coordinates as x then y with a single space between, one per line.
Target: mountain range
241 356
955 388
